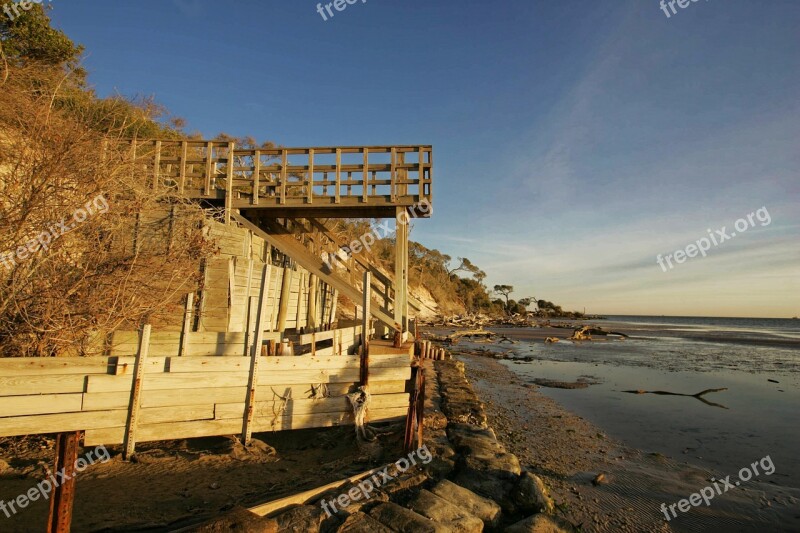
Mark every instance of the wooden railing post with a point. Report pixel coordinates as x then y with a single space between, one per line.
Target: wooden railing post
365 191
229 183
338 188
256 176
284 174
157 164
310 185
182 172
393 177
209 167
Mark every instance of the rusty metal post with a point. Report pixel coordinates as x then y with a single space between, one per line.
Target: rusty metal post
64 494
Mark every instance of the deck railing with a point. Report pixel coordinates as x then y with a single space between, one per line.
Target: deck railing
285 177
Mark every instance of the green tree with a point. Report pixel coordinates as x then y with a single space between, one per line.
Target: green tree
28 37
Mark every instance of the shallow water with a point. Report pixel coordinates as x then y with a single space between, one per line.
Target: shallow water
754 417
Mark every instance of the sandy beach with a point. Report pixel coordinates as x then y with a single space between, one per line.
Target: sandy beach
569 453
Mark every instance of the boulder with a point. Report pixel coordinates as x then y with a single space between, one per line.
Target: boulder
440 510
531 496
301 519
240 520
362 523
539 523
485 509
405 520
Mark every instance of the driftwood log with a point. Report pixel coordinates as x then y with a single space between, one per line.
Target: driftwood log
585 333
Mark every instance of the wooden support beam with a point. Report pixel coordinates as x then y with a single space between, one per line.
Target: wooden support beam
255 356
283 305
311 315
63 496
136 393
187 323
366 327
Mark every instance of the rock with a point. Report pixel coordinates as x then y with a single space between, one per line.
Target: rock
600 479
485 509
240 520
550 340
301 519
502 464
490 486
475 440
362 523
531 495
405 520
539 523
440 467
405 482
440 510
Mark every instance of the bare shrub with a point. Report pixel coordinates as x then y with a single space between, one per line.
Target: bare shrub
123 265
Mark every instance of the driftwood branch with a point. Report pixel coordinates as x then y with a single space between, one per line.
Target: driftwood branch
699 395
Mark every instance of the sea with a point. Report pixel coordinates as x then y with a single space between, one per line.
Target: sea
755 360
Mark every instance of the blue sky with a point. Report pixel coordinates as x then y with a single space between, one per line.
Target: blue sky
574 141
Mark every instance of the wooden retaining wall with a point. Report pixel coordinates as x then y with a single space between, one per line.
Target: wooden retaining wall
186 397
234 276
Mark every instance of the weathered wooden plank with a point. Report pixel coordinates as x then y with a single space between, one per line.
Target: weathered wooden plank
204 428
46 366
40 405
192 380
234 364
54 384
182 413
63 422
268 408
99 401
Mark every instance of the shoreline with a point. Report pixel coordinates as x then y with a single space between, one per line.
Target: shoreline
569 453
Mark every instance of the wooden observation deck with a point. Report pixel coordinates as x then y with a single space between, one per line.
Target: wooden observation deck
313 182
258 186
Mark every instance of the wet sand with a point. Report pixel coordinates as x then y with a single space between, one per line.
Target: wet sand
569 453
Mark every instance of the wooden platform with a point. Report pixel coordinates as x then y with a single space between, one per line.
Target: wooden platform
319 182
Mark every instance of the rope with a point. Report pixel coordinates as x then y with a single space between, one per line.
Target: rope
282 409
359 400
319 391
